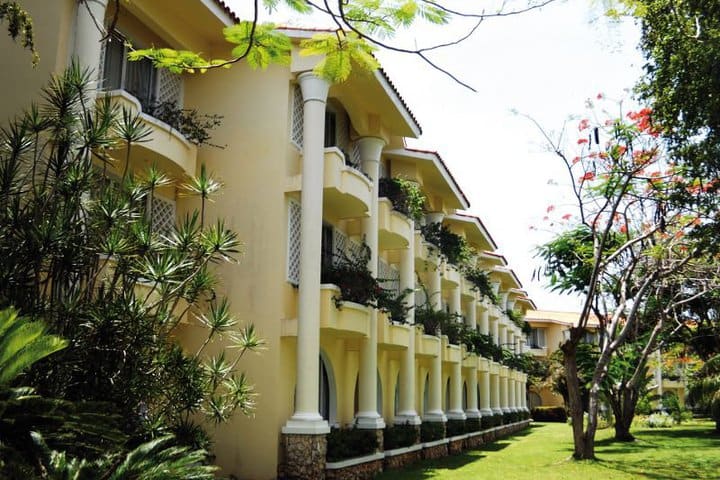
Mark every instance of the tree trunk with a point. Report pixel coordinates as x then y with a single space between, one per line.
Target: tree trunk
575 406
628 398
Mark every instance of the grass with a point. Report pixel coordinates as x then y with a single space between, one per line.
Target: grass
542 452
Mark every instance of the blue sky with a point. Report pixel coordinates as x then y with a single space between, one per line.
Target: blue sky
544 64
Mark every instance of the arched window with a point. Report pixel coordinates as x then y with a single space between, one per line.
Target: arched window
327 402
446 406
534 400
465 396
426 394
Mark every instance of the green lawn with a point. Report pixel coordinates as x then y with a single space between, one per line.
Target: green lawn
690 451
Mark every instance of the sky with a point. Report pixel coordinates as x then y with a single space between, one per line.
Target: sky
543 64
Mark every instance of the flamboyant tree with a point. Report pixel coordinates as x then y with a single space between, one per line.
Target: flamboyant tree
619 245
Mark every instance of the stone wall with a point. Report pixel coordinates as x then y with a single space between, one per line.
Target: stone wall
473 442
361 471
303 457
456 446
436 451
399 461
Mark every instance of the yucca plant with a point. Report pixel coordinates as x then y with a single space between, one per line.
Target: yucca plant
81 251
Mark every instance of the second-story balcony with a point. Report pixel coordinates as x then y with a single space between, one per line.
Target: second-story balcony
347 192
394 230
350 320
165 146
141 89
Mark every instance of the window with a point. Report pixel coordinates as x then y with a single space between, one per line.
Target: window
537 338
137 78
590 337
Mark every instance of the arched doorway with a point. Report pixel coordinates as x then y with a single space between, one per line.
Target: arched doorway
327 398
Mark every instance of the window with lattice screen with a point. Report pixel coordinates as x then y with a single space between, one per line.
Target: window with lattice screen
293 253
388 277
162 215
296 132
139 78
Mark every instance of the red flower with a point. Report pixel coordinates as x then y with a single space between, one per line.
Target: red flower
623 228
550 208
575 160
588 176
584 123
600 96
567 216
582 140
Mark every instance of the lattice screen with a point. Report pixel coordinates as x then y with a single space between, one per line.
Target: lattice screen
293 258
169 87
296 135
163 215
389 277
354 154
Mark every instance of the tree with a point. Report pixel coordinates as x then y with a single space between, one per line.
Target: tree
360 27
621 247
20 26
81 251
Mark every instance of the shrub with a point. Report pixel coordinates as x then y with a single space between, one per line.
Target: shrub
549 414
455 427
473 425
715 410
490 421
659 420
450 245
431 431
350 442
405 195
399 436
194 126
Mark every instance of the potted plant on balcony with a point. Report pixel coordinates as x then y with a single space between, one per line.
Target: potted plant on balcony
405 195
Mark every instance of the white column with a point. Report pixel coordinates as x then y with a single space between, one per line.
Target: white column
495 392
454 301
494 321
485 405
504 390
512 390
407 413
519 393
88 33
434 411
523 395
456 411
510 340
484 319
503 296
472 410
368 416
435 287
472 315
307 419
502 336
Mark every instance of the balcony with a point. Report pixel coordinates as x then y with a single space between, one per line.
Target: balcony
427 345
167 148
394 230
539 351
450 274
392 337
347 192
351 320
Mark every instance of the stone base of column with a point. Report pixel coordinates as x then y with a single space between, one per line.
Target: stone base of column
407 418
369 421
506 410
472 413
306 424
434 416
486 412
497 411
456 415
303 457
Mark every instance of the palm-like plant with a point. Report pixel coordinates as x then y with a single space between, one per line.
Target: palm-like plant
22 343
80 250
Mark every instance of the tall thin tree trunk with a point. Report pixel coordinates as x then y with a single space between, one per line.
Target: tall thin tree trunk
575 406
